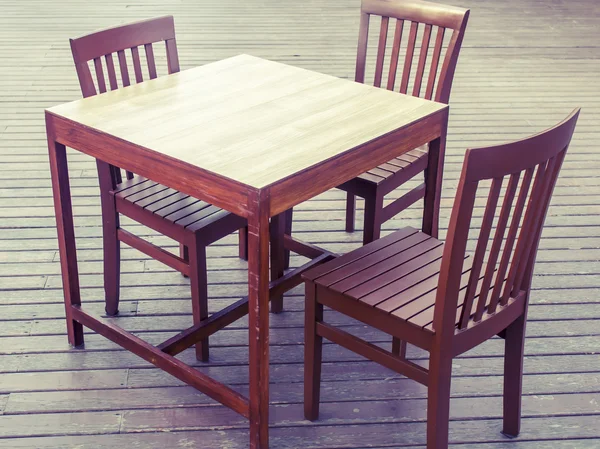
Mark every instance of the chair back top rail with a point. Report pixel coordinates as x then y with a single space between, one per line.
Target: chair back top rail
414 15
525 172
437 14
105 43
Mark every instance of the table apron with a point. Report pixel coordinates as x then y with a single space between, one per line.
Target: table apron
194 181
334 172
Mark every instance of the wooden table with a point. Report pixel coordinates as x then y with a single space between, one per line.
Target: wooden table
254 137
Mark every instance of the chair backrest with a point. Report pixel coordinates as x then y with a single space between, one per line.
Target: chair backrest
104 44
412 14
525 171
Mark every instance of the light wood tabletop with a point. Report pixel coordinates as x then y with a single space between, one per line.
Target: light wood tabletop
248 119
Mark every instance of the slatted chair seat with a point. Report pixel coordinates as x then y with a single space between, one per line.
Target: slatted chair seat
397 276
176 208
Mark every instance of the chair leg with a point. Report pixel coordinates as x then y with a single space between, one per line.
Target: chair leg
199 286
243 243
438 400
276 234
433 187
313 351
373 213
112 255
184 254
289 220
399 347
513 377
350 211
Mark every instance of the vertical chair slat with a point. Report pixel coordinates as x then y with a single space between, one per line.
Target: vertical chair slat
361 54
110 68
150 61
172 56
525 282
85 79
123 67
538 185
395 53
442 92
482 242
509 196
100 75
410 50
116 174
533 217
510 239
381 51
453 258
435 61
137 66
422 61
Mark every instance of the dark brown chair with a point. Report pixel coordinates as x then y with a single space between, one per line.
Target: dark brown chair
193 223
429 81
436 295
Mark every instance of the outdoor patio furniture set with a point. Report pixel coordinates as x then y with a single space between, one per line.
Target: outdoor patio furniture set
236 144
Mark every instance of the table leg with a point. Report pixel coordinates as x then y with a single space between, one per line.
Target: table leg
66 236
277 232
258 319
433 183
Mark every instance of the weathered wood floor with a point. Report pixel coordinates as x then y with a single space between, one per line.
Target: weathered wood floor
525 65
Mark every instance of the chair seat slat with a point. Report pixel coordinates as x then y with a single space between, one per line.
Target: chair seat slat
334 279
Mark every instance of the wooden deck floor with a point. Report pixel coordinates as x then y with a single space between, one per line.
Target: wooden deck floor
525 65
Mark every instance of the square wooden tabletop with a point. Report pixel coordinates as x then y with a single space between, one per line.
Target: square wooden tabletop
248 119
